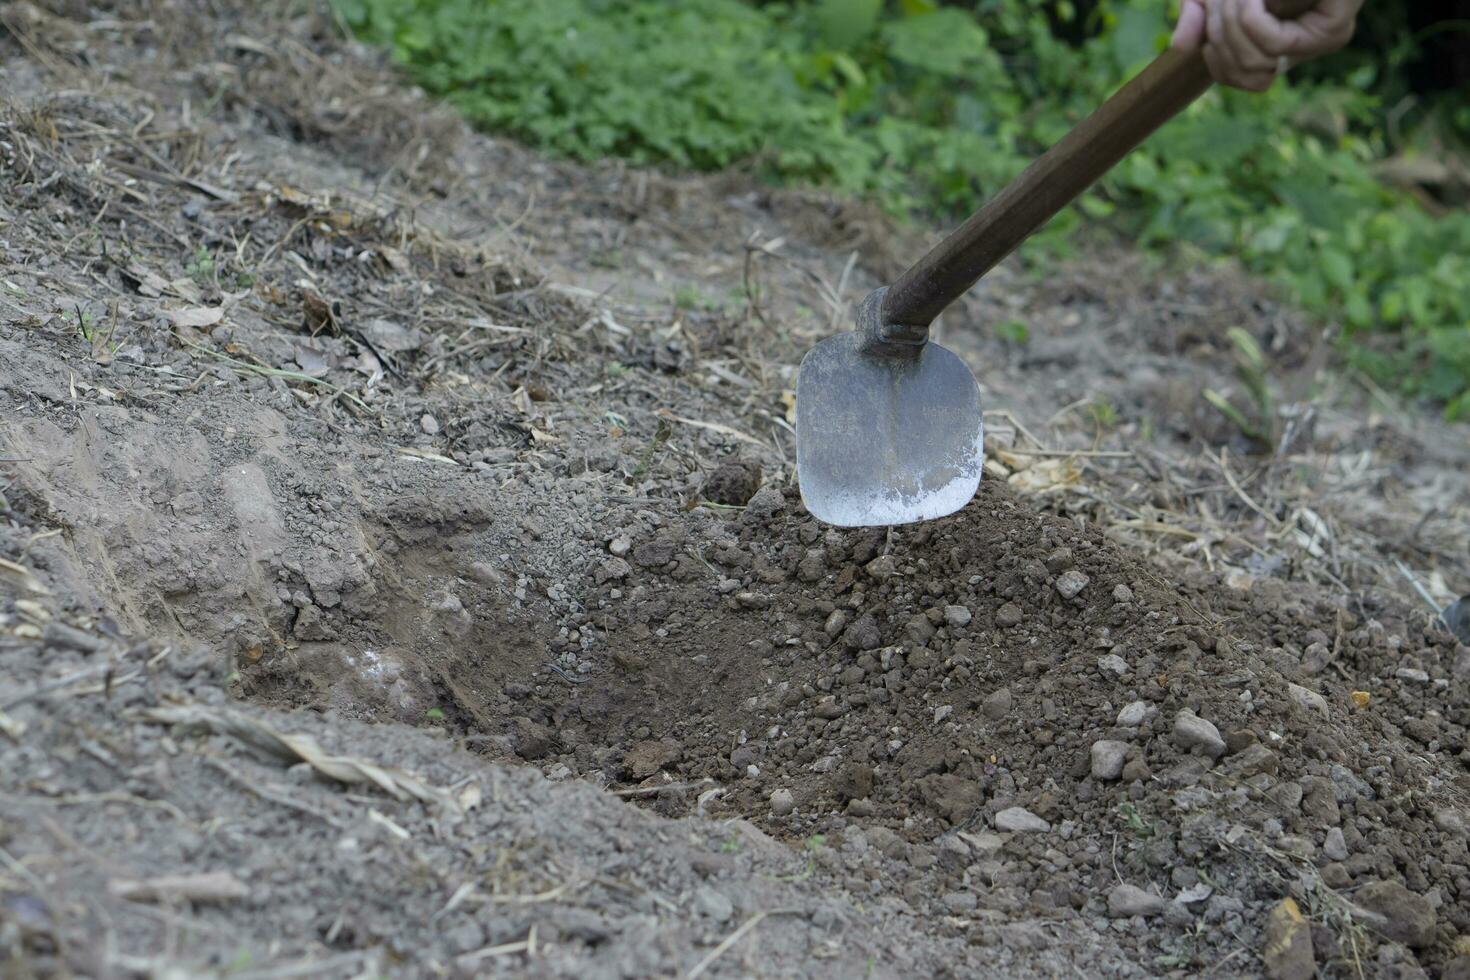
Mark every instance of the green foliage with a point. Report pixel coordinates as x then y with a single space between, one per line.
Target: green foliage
933 107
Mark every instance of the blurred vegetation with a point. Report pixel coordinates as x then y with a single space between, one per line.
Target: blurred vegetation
933 107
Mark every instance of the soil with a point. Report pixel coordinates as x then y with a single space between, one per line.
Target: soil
402 573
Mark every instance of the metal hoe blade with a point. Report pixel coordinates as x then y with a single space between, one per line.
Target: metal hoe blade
884 440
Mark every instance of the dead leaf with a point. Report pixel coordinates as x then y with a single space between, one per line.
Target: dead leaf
395 260
196 316
291 749
313 362
788 398
145 281
1045 476
319 314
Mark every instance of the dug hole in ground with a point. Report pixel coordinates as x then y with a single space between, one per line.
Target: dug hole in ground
402 574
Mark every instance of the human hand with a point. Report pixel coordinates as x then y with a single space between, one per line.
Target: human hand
1246 47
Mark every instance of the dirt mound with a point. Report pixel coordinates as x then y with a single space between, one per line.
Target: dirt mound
319 402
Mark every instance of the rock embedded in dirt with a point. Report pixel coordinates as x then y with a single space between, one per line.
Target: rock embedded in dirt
654 554
863 634
733 483
1397 913
1334 848
1306 699
712 904
1107 759
1193 733
997 704
1456 969
1288 953
1135 713
1254 759
532 741
957 616
1018 820
765 504
1113 664
882 568
429 425
1008 615
648 757
828 709
959 903
782 802
1121 593
1451 821
1071 583
1126 901
620 546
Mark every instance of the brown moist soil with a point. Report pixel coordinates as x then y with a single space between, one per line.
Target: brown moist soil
323 417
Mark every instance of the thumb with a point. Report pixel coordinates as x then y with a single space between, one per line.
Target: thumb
1189 33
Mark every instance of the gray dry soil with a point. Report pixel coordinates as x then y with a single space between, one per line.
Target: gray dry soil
402 574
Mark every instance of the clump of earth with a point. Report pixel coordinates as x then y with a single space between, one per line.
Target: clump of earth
403 572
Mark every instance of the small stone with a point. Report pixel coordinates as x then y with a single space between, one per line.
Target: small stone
728 585
620 546
828 708
654 554
1398 913
713 905
648 757
1456 969
1008 615
766 504
1126 901
1254 759
1113 664
957 616
1136 771
1193 733
997 704
1307 700
1288 953
959 903
919 630
430 425
942 712
1121 593
1018 820
1107 759
1070 583
782 802
1451 821
954 853
1334 848
1135 714
882 568
813 565
863 634
1412 674
835 623
1059 561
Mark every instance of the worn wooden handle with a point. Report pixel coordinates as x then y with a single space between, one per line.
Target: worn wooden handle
1170 83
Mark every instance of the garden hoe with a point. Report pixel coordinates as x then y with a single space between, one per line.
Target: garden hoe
888 423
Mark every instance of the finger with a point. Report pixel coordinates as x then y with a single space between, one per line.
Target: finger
1219 55
1320 31
1243 49
1263 29
1226 72
1189 33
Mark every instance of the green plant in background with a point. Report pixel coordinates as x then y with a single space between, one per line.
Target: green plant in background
1258 421
933 107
